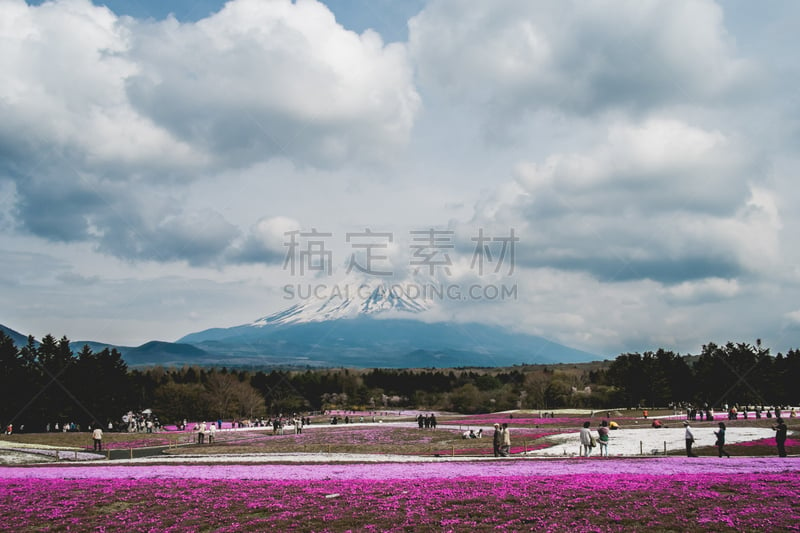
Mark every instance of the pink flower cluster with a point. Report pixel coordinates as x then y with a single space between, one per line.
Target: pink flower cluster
790 443
585 501
441 469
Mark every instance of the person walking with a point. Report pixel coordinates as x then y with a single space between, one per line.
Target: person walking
780 436
721 440
689 439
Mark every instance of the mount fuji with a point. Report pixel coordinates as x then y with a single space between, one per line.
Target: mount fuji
349 301
368 325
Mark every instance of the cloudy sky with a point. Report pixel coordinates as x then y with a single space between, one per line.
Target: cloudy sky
169 166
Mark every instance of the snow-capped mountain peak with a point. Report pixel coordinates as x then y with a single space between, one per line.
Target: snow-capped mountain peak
347 300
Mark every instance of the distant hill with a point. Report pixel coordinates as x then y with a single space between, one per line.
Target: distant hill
95 346
153 353
19 339
164 353
148 354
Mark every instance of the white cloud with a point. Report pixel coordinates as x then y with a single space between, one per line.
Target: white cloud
272 231
62 89
654 165
107 111
256 80
794 316
517 56
702 290
274 79
658 199
265 242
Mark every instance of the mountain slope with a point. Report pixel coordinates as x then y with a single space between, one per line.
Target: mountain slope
164 353
375 325
154 353
351 300
396 343
19 339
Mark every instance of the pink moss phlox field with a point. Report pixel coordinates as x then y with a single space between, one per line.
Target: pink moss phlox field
486 450
143 440
518 420
523 440
134 442
377 414
334 435
577 502
316 420
656 466
790 443
530 421
630 419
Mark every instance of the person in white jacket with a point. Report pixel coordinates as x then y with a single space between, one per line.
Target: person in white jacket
97 438
689 439
505 441
586 439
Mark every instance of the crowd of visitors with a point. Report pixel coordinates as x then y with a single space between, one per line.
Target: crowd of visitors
141 422
425 422
588 441
600 438
735 411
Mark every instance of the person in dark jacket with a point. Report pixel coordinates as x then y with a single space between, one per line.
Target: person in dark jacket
497 440
780 436
721 440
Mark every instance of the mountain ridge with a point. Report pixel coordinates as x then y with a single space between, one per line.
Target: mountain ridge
366 341
19 339
373 324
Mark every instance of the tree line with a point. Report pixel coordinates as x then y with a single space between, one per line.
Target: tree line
732 374
47 383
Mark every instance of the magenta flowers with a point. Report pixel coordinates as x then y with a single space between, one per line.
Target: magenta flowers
577 501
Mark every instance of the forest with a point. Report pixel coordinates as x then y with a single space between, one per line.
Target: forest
48 382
